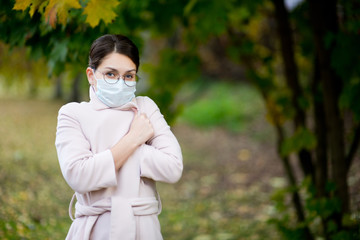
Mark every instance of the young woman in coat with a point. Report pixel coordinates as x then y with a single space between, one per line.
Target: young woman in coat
113 149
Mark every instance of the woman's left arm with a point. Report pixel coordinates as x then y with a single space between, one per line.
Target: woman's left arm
161 157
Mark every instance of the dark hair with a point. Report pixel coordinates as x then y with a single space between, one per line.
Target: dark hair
110 43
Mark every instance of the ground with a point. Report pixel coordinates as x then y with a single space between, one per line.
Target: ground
232 177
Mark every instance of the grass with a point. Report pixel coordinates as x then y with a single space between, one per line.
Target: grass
33 194
230 105
210 202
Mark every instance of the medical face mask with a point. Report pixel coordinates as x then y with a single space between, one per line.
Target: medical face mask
115 94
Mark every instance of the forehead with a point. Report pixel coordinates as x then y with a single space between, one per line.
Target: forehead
117 61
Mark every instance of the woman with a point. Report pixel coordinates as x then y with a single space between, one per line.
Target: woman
114 148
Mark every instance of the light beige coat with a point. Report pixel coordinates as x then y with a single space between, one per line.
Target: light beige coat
114 204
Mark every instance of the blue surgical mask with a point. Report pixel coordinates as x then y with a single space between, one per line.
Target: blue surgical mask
116 94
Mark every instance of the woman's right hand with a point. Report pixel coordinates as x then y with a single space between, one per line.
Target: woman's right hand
141 129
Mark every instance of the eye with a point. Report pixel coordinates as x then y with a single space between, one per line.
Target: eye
129 77
111 75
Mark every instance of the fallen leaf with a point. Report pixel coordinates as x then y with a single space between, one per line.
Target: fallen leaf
244 155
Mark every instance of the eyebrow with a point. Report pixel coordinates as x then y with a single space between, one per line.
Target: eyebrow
114 69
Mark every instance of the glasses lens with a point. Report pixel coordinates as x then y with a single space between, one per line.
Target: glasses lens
130 83
130 79
111 78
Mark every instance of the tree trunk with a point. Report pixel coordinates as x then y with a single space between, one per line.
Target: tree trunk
321 163
295 197
75 96
292 182
291 76
58 91
324 21
321 159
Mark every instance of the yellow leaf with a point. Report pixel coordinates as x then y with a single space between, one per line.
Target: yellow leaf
24 4
100 9
59 9
274 113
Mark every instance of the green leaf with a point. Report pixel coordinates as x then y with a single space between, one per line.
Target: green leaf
350 97
331 226
189 7
58 56
302 139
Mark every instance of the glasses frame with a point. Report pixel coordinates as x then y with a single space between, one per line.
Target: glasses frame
137 78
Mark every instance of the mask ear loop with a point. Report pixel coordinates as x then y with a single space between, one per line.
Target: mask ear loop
92 85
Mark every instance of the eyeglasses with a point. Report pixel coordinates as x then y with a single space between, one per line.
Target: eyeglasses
112 77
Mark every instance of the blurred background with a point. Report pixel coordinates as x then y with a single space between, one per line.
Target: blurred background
263 96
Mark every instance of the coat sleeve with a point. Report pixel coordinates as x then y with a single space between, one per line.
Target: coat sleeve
82 170
162 158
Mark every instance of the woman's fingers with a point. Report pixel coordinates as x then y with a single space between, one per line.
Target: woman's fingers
141 128
135 111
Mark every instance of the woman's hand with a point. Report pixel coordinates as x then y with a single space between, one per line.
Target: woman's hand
140 131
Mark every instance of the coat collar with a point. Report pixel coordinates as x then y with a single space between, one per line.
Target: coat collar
96 103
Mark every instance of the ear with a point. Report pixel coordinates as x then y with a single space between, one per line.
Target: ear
90 76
